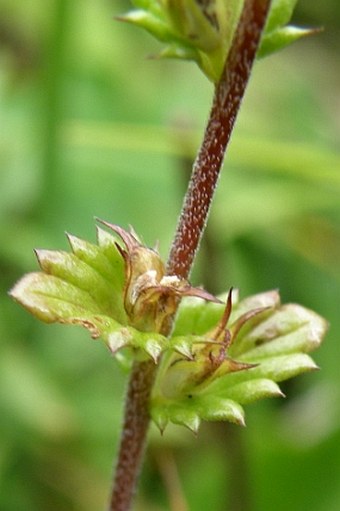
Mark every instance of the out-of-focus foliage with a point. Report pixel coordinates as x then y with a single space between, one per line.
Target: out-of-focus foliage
91 128
203 32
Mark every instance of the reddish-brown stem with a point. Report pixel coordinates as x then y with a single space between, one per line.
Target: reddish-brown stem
133 439
228 96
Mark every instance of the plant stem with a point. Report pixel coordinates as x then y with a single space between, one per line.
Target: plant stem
133 440
227 100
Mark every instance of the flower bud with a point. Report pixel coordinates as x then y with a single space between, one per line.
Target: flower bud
150 296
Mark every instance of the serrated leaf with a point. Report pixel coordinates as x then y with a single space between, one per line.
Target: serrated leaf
52 299
111 268
69 268
266 343
44 296
118 290
86 287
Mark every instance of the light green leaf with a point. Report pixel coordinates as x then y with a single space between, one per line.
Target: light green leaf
152 24
52 299
276 34
280 38
253 390
86 287
280 14
216 408
266 343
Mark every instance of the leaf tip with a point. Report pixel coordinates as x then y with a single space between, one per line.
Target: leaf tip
116 341
154 349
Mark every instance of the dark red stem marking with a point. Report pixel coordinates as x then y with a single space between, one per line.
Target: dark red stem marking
228 96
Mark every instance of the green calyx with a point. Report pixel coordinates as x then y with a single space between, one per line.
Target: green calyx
222 353
203 30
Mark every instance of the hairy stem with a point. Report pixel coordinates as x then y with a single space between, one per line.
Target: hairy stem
227 99
133 440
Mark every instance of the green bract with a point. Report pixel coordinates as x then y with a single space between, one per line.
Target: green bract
119 292
203 31
219 357
265 343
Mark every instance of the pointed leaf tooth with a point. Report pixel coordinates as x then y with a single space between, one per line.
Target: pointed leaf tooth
159 417
252 390
215 408
104 238
108 245
279 39
94 257
294 365
185 417
153 348
77 244
117 340
183 347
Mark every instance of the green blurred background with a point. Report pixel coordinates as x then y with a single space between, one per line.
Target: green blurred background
90 127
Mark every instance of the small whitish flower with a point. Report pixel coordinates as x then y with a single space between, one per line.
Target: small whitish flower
203 30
